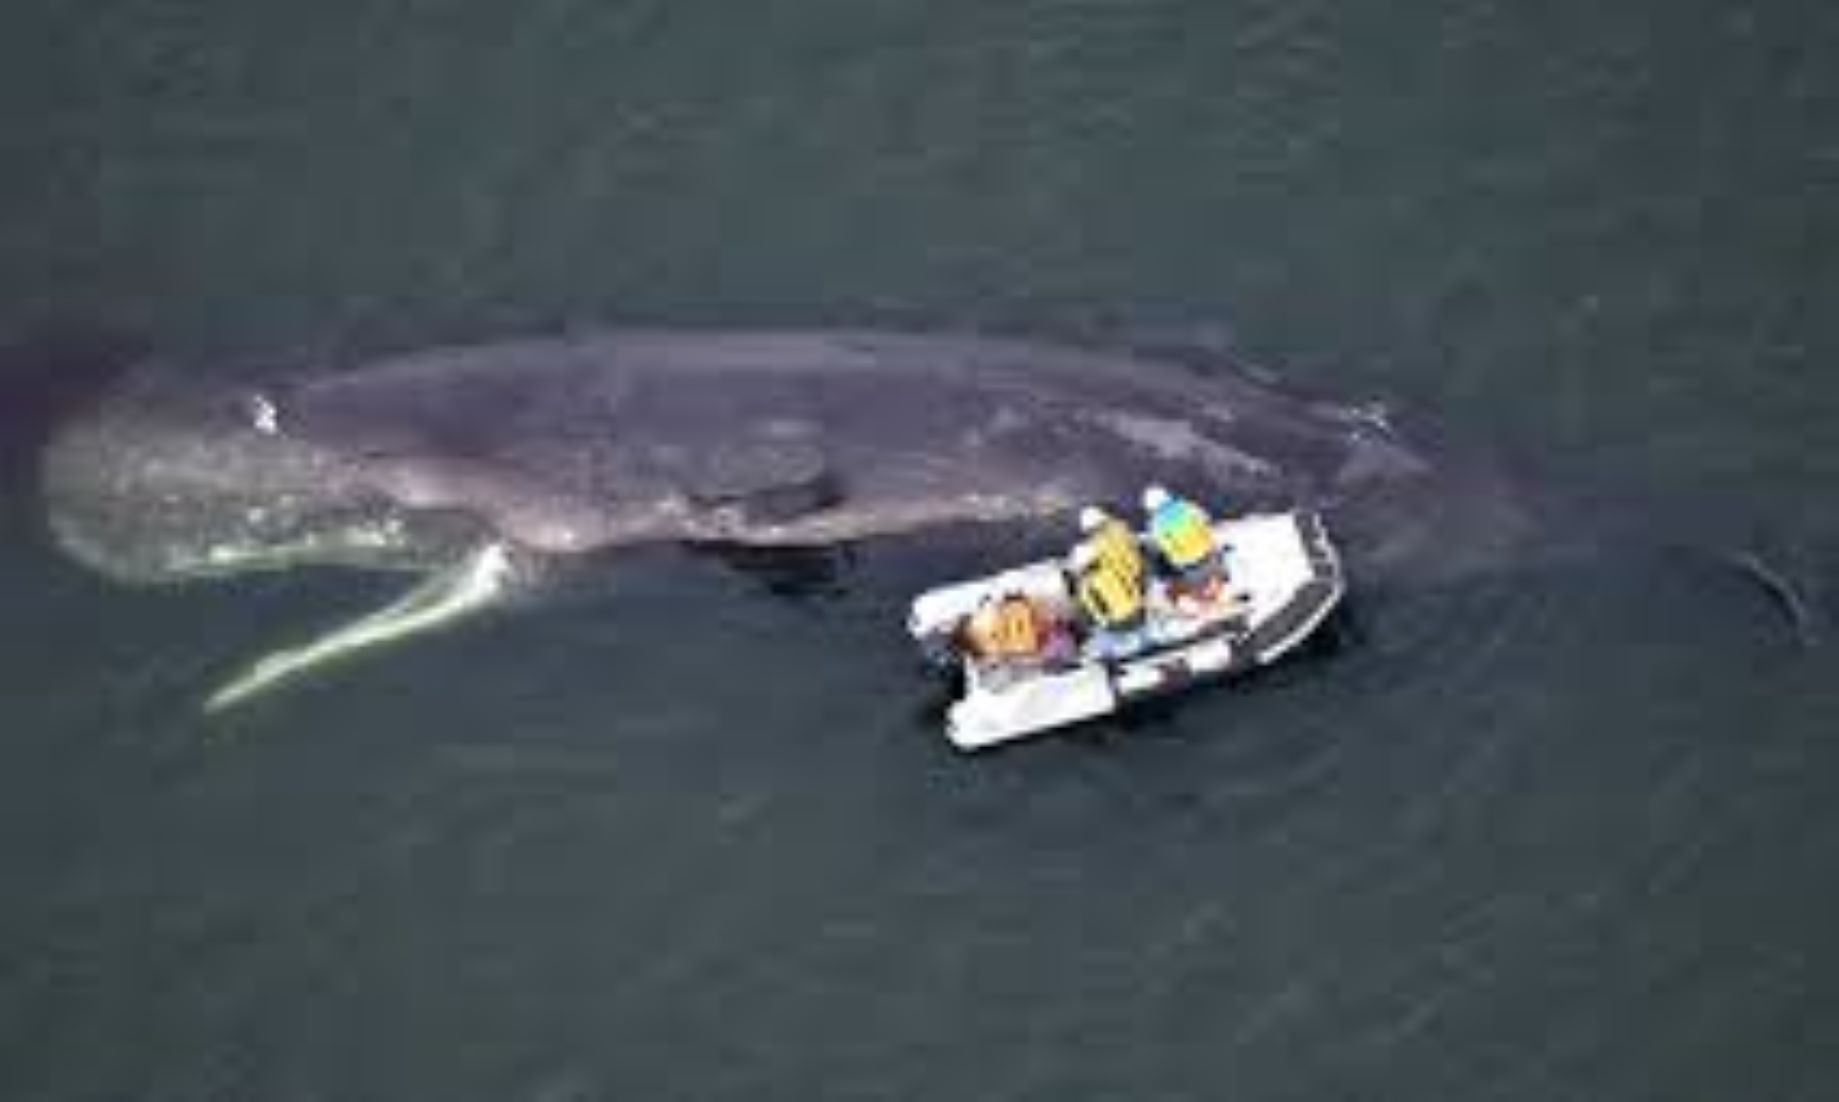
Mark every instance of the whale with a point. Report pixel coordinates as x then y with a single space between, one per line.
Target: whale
480 469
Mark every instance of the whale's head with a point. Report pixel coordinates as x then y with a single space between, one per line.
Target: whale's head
164 480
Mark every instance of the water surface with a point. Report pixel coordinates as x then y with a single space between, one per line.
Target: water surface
1560 831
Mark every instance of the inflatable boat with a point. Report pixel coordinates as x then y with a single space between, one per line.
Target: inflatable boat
1281 579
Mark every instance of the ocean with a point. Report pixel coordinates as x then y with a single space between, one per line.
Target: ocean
1560 830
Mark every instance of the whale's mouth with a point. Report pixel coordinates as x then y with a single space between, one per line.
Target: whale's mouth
162 483
152 538
384 543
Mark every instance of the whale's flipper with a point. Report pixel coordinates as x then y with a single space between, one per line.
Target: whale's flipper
473 584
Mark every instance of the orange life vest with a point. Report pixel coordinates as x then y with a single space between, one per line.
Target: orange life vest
1009 629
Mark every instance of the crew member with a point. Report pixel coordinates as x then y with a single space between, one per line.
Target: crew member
1113 598
1112 541
1011 628
1182 534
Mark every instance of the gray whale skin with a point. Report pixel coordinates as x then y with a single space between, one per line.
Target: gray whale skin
475 466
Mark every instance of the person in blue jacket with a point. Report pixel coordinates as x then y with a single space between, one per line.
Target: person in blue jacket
1182 534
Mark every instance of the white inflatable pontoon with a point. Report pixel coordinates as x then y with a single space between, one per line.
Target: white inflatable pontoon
1283 579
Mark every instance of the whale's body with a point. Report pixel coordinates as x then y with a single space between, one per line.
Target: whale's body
472 462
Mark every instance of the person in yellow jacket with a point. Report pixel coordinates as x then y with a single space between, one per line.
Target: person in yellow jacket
1112 598
1112 542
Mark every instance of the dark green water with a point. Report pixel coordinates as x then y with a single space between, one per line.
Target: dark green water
1552 833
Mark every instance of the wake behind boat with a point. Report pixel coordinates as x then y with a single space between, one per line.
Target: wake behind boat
1280 578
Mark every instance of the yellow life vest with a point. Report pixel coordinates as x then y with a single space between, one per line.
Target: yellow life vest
1112 598
1115 548
1185 537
